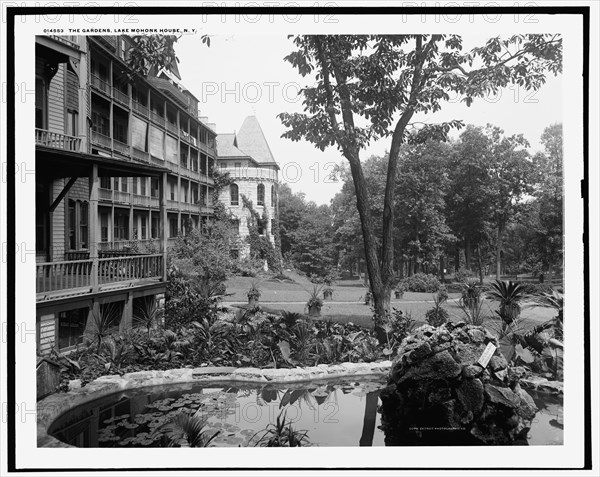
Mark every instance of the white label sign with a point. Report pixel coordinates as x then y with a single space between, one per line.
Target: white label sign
487 354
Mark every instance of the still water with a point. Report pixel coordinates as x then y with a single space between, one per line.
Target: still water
341 412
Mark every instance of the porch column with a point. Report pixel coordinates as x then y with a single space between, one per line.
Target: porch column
93 226
162 223
179 204
130 188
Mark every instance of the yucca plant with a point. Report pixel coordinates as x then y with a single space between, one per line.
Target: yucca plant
147 314
510 295
187 430
103 319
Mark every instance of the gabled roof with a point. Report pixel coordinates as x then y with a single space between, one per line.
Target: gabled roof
226 147
252 141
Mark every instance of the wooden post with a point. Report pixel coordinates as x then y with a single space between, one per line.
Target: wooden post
162 193
93 226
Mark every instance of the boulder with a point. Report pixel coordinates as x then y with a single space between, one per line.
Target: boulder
438 394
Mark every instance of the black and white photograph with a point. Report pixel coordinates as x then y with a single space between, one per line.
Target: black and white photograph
352 230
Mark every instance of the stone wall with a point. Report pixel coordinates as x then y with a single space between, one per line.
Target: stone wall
437 394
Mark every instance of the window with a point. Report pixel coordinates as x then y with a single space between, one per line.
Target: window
260 194
223 166
72 123
273 196
134 185
77 225
104 227
100 123
144 223
154 227
234 194
120 129
124 184
121 226
154 187
105 182
172 191
71 325
83 225
173 227
238 165
41 102
261 228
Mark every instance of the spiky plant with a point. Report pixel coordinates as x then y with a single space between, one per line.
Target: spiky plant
187 430
147 313
510 295
281 434
103 319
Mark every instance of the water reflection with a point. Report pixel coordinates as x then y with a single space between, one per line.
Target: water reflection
334 413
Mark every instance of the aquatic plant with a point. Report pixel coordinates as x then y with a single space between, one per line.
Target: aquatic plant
281 434
187 430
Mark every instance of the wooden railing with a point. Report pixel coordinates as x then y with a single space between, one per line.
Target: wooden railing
129 268
157 118
120 96
141 155
120 196
121 147
172 127
101 139
77 274
100 84
57 140
140 108
63 275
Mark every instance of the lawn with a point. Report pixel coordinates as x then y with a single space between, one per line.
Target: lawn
347 304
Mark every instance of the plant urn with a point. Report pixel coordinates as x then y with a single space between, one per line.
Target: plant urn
327 295
314 310
252 302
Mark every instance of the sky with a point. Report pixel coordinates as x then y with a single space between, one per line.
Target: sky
241 75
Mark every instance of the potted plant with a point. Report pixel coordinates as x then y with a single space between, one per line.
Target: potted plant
327 293
368 296
253 295
314 303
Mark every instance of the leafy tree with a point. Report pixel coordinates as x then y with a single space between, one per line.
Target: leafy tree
292 208
368 87
547 221
314 249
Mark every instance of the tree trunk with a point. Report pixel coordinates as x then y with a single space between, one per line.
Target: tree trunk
457 259
468 253
480 264
499 253
379 289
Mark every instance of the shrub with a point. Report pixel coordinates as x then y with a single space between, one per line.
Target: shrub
463 275
470 294
422 282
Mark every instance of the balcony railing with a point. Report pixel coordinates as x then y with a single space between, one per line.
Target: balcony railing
121 247
171 127
101 139
157 118
171 90
141 155
120 96
57 140
105 194
62 275
121 147
65 40
120 196
140 108
156 160
172 204
77 274
100 84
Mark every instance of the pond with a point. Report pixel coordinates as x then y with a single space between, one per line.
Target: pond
340 412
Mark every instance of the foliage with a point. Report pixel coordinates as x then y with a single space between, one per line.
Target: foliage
185 430
147 313
254 292
103 320
260 246
422 282
463 275
470 294
442 294
510 295
437 315
314 299
281 434
365 87
399 326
